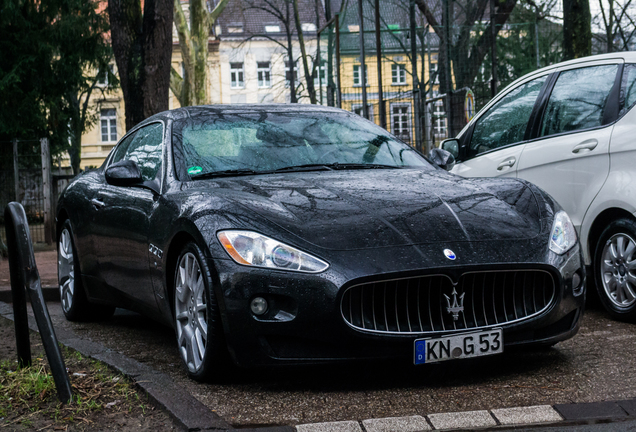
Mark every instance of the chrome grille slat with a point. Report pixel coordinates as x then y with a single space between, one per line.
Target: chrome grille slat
418 306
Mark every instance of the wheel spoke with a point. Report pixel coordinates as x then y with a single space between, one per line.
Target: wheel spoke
613 252
620 245
629 250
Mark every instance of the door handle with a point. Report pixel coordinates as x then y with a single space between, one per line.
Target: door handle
507 163
97 203
585 145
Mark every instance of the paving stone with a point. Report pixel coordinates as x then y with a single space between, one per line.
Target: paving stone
341 426
629 406
462 420
527 415
587 411
397 424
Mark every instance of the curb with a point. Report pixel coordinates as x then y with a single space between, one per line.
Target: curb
184 408
192 415
51 294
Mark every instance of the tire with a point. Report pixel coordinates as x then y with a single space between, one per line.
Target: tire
75 305
196 316
615 269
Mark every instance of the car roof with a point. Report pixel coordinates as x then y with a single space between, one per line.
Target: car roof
190 111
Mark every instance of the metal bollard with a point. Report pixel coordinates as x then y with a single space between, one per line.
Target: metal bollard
24 274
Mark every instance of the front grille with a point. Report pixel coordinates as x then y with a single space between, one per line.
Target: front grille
419 305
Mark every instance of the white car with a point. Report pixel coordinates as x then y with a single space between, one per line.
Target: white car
570 128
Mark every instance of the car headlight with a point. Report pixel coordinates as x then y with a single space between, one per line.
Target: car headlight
563 236
253 249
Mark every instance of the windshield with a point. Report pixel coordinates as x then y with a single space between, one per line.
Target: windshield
253 143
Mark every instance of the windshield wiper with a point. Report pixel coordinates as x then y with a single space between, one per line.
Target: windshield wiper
333 166
227 173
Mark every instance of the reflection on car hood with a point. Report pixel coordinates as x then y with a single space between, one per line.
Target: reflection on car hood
347 210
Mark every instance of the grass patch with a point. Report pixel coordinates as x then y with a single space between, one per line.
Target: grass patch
28 394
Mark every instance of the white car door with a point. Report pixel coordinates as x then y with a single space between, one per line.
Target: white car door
570 157
497 138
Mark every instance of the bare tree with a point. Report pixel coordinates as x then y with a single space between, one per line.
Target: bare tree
142 44
466 57
192 87
617 22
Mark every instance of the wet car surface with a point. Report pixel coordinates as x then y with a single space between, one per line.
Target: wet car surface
308 235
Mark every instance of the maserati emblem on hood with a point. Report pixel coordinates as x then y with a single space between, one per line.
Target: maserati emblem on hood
456 306
449 254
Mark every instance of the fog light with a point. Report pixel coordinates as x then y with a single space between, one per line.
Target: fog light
258 306
577 284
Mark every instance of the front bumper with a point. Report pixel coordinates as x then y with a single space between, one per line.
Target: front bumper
304 322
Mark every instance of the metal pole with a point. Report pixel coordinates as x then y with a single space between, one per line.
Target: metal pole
47 178
363 69
447 69
318 51
416 84
536 36
16 171
378 43
338 82
424 94
493 49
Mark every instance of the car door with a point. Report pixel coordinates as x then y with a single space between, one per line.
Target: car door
569 158
498 136
123 216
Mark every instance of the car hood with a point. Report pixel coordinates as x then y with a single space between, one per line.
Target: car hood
358 209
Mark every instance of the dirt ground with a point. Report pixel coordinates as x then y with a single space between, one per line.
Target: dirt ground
108 401
46 260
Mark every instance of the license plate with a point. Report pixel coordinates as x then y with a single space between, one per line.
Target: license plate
465 345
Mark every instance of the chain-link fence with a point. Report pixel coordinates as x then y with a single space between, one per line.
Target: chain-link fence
21 181
424 108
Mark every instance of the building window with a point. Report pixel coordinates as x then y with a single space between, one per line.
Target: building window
401 121
272 28
439 119
288 73
398 74
235 28
102 77
108 119
236 75
356 75
264 72
434 75
308 27
320 76
357 108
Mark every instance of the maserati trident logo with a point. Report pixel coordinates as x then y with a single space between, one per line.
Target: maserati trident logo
457 306
449 254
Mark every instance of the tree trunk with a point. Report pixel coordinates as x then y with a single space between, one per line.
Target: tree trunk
142 44
577 29
301 41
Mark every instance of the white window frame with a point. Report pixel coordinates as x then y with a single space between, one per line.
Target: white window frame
272 28
356 75
264 74
398 74
102 78
108 125
237 75
357 109
287 70
408 120
439 119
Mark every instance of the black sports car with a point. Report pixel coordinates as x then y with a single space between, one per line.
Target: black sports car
298 233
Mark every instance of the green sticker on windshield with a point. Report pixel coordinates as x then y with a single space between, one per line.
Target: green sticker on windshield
195 170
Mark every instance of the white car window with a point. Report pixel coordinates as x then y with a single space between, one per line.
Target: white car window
505 122
578 99
628 88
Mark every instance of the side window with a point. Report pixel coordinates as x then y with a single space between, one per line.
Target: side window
578 99
628 88
120 150
505 122
146 150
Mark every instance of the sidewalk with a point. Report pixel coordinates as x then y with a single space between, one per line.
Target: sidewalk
46 260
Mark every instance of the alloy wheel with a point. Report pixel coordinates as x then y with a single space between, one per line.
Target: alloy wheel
191 312
618 270
66 270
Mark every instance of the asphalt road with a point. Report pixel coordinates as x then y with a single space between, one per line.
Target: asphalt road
596 365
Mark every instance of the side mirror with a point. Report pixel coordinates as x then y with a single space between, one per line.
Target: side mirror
442 158
123 173
451 145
